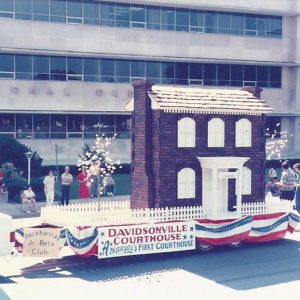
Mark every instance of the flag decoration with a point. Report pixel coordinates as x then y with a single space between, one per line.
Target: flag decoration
294 220
83 240
221 232
272 227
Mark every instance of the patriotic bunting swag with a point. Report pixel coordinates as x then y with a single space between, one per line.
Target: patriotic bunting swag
261 228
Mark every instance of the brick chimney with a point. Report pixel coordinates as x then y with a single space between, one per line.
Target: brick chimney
142 184
255 90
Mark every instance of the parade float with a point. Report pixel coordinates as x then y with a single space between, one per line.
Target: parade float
197 181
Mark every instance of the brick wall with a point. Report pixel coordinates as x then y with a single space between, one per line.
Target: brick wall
172 159
142 188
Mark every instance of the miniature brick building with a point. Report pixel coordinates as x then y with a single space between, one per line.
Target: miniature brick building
197 146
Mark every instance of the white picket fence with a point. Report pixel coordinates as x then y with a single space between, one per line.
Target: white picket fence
115 212
119 212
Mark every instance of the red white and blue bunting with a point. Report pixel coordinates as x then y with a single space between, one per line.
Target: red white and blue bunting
83 240
221 232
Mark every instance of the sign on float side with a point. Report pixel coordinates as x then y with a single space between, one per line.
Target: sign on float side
145 239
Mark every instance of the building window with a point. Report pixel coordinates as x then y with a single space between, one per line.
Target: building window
182 19
138 16
216 133
122 71
23 67
40 67
138 70
58 68
74 68
91 12
153 17
273 127
7 125
186 184
116 14
44 126
122 15
41 128
40 10
74 11
181 73
24 126
224 23
57 11
58 126
91 69
243 133
123 124
153 71
210 74
7 66
247 177
167 18
186 132
6 8
210 22
107 70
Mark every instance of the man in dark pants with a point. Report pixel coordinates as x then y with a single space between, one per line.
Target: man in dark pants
66 181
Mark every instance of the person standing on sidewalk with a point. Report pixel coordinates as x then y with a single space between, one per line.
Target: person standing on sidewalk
49 182
287 182
66 181
297 198
94 177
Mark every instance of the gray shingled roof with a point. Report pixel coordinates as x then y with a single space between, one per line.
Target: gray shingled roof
200 100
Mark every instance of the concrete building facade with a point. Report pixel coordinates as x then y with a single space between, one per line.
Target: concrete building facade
66 66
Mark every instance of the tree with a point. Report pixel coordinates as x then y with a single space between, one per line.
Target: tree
98 153
14 152
276 143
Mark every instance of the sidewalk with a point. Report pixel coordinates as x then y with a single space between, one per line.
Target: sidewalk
14 210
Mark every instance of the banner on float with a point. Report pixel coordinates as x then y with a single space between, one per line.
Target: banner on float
41 242
145 239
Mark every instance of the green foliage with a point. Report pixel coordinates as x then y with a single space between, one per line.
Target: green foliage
38 187
15 184
14 152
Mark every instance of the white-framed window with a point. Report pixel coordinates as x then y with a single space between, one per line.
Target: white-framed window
247 176
186 132
186 182
216 133
243 133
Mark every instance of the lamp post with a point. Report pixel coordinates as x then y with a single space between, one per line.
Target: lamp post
29 155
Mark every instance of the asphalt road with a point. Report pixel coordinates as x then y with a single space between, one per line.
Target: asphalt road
254 271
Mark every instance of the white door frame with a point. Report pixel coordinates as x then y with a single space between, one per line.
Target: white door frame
215 177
